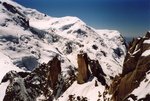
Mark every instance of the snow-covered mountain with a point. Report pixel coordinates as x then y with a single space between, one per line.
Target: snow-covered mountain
28 38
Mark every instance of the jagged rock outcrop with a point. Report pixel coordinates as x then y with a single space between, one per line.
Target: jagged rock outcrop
44 80
136 65
54 72
88 68
83 71
97 71
47 79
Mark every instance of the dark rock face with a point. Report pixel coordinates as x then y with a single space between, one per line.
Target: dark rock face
53 72
17 90
88 68
10 7
69 47
24 87
44 80
97 71
118 51
20 19
134 70
9 76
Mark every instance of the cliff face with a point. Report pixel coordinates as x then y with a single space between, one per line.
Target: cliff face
54 72
83 71
135 67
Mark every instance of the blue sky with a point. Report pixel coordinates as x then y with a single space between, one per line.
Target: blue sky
130 17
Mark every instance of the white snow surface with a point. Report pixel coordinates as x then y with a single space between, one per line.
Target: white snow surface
3 87
5 66
147 41
86 90
48 36
143 89
146 53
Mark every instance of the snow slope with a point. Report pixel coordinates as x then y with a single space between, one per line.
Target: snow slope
29 38
143 89
5 66
88 90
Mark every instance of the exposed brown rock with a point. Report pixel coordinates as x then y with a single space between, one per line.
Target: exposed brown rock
83 71
130 65
87 68
54 71
134 70
51 73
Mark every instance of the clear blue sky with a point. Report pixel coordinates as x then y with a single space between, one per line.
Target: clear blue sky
130 17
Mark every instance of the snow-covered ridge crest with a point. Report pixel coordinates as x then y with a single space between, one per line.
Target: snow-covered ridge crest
55 22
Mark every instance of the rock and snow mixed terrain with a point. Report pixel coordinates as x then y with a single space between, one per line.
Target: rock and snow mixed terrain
133 84
29 38
43 52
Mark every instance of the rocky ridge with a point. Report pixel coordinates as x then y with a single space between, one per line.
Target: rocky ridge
48 81
136 69
45 80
